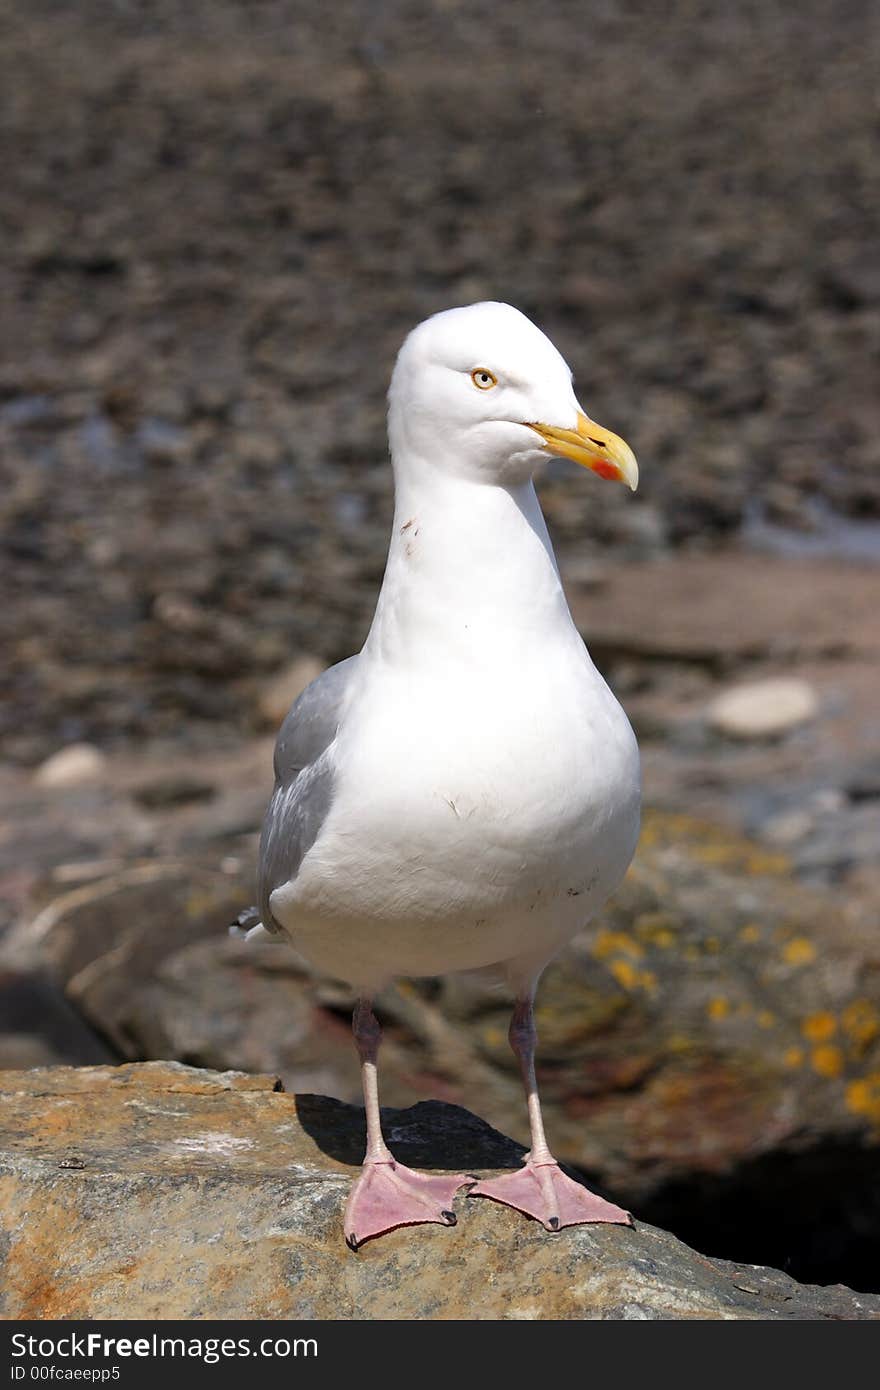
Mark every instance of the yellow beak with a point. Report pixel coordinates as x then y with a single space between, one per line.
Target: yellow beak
594 447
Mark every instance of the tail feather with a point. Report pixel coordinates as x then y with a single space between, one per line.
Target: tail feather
248 927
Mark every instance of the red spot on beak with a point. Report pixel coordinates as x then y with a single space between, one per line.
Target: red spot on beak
609 471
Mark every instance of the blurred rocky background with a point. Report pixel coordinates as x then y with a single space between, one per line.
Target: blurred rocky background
217 223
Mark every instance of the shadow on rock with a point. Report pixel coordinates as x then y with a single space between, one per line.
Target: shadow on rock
813 1214
428 1135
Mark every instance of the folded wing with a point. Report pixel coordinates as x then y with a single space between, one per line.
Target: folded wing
303 782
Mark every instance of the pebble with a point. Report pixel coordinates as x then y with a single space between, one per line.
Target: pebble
789 827
176 789
763 709
864 782
72 766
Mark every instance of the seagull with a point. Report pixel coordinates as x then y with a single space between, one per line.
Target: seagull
464 792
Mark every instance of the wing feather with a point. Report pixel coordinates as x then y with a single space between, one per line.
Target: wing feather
303 782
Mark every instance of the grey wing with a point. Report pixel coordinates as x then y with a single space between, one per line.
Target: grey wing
303 782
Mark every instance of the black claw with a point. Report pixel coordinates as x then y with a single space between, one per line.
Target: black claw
352 1242
554 1223
451 1218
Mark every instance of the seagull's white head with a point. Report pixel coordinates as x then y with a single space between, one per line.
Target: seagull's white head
483 393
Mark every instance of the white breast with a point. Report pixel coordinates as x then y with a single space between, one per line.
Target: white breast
472 818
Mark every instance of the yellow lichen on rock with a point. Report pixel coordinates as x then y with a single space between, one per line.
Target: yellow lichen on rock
657 929
827 1060
863 1097
860 1023
608 943
630 977
819 1027
799 951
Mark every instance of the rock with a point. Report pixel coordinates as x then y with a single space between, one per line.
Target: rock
863 783
162 1191
19 1051
769 313
723 609
40 1027
178 612
161 441
763 709
174 789
843 842
716 997
788 827
222 1002
73 766
103 936
279 694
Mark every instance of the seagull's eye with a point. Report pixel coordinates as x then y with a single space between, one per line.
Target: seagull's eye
483 380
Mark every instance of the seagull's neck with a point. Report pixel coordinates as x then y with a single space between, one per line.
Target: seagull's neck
470 570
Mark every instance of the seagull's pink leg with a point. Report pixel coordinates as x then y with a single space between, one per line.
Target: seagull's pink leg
387 1194
540 1188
